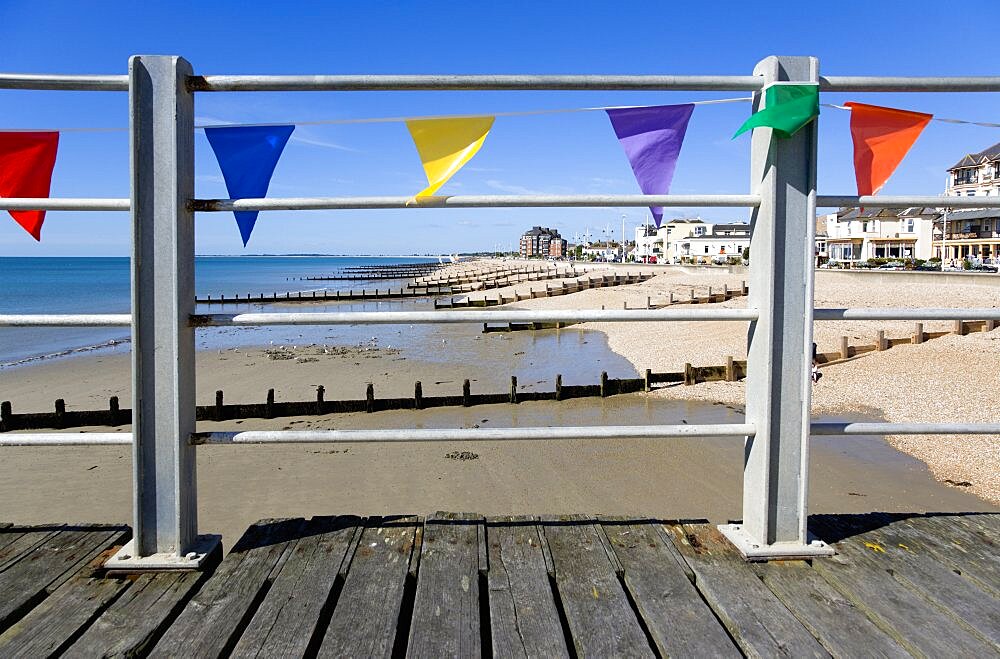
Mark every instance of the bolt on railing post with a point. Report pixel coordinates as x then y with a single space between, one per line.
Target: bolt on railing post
161 126
779 354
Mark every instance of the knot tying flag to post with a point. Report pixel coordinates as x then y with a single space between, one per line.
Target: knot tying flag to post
445 145
787 108
247 156
882 137
652 139
26 163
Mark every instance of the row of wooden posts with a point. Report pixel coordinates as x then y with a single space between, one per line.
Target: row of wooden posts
561 288
485 275
220 411
731 371
411 291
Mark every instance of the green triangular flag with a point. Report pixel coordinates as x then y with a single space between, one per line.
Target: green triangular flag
787 108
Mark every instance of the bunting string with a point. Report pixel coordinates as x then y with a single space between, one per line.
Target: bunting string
651 137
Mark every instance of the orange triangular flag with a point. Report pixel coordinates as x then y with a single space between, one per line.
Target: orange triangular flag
882 137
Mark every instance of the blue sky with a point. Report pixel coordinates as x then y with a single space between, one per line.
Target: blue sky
564 153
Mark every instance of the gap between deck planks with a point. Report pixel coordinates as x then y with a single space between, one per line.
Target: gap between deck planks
462 585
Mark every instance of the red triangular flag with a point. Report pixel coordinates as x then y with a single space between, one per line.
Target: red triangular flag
26 162
882 137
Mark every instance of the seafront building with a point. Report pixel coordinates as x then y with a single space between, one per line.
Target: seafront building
975 175
542 242
854 235
969 234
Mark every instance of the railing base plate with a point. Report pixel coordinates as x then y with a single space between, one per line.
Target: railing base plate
751 550
125 558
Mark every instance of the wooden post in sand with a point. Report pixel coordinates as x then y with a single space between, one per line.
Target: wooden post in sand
6 416
918 334
880 341
418 395
604 384
845 347
513 389
990 326
688 375
114 409
730 369
269 407
647 380
60 413
320 393
959 328
466 393
558 386
370 398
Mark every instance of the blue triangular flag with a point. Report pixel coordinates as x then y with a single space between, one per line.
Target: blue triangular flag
247 156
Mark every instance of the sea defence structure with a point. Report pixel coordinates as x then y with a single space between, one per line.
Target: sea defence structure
461 584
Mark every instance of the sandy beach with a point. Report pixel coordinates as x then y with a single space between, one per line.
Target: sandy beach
934 381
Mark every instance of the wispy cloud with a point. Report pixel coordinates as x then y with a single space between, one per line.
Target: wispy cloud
473 168
515 189
326 144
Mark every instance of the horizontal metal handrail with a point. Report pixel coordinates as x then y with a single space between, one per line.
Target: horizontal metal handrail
857 428
909 83
471 316
224 83
275 83
475 201
862 313
472 434
67 439
904 201
92 83
847 428
499 315
64 204
66 320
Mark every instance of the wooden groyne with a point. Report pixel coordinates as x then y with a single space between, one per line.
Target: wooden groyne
374 272
412 290
563 288
492 274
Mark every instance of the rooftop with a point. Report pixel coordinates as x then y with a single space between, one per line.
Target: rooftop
972 159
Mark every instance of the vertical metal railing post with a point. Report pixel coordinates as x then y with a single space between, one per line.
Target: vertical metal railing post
161 127
779 352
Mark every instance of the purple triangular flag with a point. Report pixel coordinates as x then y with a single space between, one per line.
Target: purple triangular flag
652 138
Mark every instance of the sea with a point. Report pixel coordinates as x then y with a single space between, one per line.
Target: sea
47 285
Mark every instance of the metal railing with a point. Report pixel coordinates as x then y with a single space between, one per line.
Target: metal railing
780 312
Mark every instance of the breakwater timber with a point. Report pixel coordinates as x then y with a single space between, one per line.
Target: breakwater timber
563 288
733 370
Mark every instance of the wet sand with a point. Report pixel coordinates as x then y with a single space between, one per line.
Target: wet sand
671 478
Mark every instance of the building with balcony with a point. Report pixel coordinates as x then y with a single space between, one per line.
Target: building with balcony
968 234
854 235
976 175
542 242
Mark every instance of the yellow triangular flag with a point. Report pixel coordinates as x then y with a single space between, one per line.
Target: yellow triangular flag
445 145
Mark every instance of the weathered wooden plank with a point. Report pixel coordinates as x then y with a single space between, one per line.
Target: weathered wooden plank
286 620
445 619
19 544
912 621
839 625
524 620
210 624
601 620
965 548
921 571
679 621
50 625
49 564
128 626
755 618
366 613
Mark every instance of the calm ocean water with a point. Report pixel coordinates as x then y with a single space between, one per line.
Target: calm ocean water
101 285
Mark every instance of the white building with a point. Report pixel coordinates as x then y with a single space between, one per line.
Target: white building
902 233
975 175
719 243
648 244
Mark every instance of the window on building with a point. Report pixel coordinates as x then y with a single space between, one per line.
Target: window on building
865 227
908 225
970 193
699 231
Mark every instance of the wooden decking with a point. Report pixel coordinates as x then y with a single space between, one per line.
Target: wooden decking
459 585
